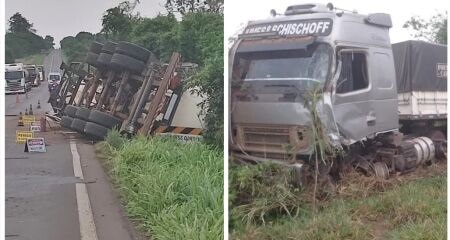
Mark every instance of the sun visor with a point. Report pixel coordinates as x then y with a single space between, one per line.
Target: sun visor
275 44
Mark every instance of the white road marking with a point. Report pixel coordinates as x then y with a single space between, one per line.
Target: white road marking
85 216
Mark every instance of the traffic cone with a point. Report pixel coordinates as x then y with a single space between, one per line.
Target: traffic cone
26 111
17 98
39 105
31 110
20 123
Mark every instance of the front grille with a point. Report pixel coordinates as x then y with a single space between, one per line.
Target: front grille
14 86
268 139
263 136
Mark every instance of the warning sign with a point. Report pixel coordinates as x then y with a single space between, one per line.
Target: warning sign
35 145
35 128
22 136
28 119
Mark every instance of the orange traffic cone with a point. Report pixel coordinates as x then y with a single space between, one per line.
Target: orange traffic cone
39 104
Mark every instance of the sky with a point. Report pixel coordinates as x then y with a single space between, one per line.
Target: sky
239 12
61 18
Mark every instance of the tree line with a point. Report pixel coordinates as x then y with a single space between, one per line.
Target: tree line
21 39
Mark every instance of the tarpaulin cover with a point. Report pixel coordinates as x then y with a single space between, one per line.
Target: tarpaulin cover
420 66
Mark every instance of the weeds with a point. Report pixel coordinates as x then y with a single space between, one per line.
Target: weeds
173 190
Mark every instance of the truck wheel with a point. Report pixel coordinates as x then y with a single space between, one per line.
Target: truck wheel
66 122
70 110
439 140
109 47
133 50
381 170
95 130
78 125
125 62
83 113
104 119
103 59
91 59
96 47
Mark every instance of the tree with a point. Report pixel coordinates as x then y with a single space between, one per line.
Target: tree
49 39
189 6
17 23
117 21
432 30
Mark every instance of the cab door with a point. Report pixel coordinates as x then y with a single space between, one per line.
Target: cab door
352 96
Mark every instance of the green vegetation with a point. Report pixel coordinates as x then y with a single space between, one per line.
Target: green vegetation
173 190
21 40
265 205
37 59
431 30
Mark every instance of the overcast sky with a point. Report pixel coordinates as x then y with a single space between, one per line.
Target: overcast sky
61 18
239 12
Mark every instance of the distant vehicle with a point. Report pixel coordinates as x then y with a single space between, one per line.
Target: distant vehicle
33 76
41 72
16 78
54 77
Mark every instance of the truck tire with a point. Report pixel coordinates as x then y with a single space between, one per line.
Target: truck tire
83 113
66 122
78 125
91 59
104 119
70 110
109 47
133 51
125 62
95 130
103 59
96 47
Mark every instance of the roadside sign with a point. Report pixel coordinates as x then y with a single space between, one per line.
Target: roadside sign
35 145
188 138
22 136
35 128
28 119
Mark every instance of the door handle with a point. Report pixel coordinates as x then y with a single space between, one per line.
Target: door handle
371 119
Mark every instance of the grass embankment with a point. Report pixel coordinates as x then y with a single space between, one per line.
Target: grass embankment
413 206
37 59
172 190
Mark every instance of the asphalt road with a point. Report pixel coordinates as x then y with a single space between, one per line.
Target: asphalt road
41 197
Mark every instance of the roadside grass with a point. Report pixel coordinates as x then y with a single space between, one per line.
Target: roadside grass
37 59
171 189
407 207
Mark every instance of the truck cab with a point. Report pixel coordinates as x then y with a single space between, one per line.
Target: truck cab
274 62
33 75
16 78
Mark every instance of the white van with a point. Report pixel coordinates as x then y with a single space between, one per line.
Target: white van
54 77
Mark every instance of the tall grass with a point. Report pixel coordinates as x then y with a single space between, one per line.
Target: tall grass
174 190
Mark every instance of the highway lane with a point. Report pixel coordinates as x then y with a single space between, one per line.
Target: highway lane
41 200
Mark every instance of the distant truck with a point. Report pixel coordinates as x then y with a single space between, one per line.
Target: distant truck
41 72
16 78
33 75
384 106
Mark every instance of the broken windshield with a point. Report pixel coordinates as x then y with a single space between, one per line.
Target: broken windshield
310 64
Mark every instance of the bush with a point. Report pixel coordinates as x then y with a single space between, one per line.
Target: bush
175 190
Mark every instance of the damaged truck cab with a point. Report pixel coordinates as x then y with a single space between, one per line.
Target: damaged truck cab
275 62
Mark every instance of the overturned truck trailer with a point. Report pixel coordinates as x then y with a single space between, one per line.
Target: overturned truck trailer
124 86
384 110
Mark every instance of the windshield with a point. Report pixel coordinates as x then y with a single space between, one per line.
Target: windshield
32 71
300 64
13 75
281 75
54 77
